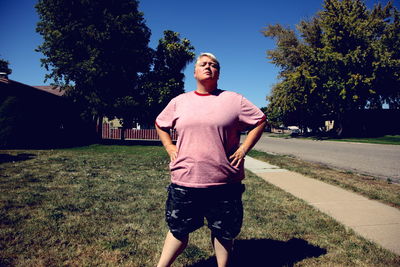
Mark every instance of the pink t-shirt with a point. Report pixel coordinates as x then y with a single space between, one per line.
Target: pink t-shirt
208 128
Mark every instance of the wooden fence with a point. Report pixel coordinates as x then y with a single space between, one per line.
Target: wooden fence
132 134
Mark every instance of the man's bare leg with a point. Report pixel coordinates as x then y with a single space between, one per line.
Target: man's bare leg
172 248
223 249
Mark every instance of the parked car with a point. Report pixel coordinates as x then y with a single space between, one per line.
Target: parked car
294 131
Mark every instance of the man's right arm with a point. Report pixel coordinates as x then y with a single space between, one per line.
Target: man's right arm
167 143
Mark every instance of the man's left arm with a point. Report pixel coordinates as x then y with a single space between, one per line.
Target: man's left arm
251 139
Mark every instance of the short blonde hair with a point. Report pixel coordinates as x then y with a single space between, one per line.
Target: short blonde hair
214 58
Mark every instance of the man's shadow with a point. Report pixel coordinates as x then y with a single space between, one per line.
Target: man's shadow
20 157
267 252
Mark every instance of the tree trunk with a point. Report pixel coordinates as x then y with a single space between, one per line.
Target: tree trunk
99 129
123 133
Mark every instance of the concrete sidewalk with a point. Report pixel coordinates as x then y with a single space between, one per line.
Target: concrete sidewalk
371 219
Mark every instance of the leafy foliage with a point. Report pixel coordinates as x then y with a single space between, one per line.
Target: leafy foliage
4 66
165 80
10 116
98 52
100 46
346 58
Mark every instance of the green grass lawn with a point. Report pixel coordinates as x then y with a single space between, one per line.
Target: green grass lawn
383 140
104 206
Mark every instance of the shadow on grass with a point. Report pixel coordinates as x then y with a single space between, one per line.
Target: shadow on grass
267 252
20 157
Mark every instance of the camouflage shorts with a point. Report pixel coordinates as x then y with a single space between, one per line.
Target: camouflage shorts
222 206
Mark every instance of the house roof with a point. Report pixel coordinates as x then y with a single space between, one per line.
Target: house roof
50 89
45 88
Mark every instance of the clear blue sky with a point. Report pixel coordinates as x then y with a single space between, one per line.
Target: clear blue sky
229 29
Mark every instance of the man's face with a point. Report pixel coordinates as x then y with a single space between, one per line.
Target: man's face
206 69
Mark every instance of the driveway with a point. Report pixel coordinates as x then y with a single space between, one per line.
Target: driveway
381 161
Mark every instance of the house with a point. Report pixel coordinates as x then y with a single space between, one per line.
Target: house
37 117
40 117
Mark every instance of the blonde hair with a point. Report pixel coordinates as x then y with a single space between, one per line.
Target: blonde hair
214 58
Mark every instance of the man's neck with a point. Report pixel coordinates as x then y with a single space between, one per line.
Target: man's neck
206 88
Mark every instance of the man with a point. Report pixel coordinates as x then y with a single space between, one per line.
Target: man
207 163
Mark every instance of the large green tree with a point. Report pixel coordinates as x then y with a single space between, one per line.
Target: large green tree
345 59
96 50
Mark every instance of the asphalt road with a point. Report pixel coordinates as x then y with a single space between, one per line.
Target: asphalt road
381 161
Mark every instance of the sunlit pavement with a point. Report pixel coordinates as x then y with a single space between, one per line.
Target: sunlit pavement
371 219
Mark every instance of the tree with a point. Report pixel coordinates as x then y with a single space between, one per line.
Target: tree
346 59
165 80
290 101
4 66
96 51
